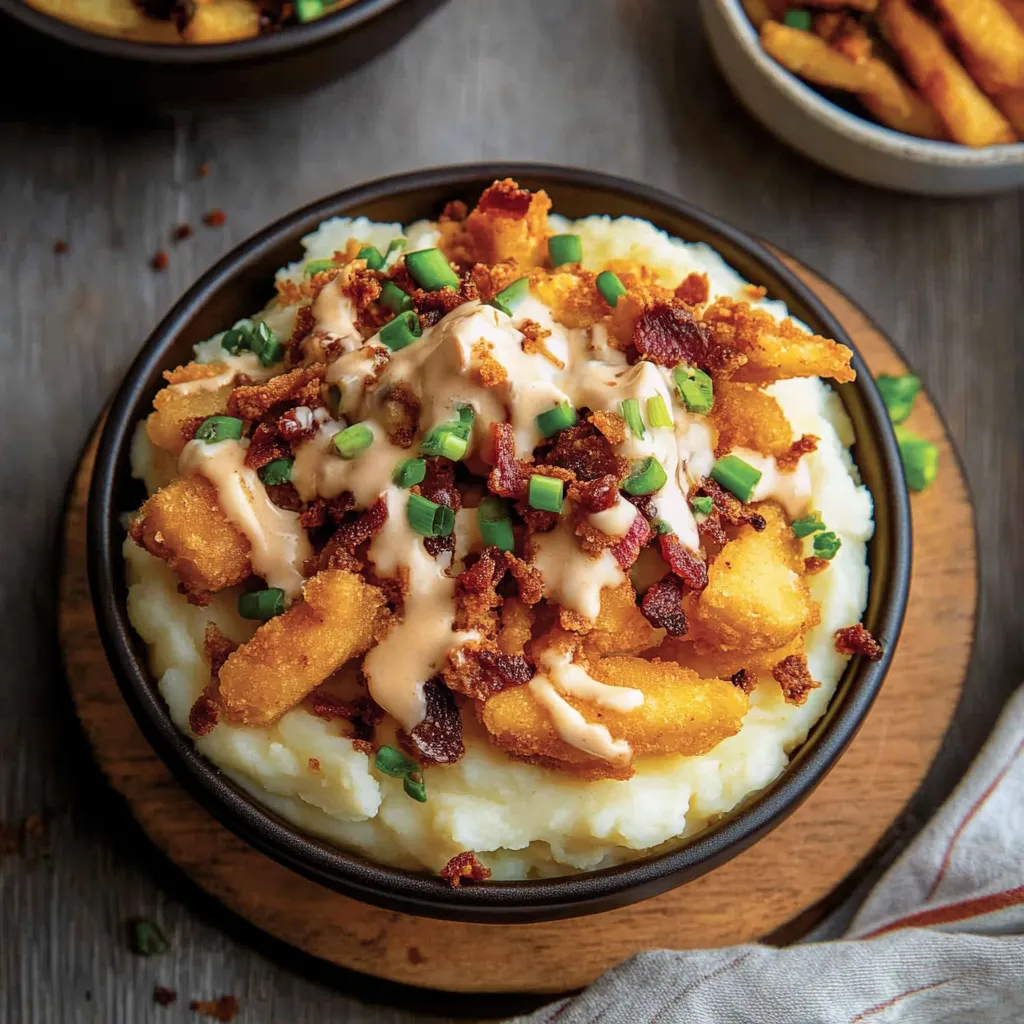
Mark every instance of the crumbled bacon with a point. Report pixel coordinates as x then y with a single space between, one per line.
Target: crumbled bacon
509 476
159 260
443 301
297 424
204 713
814 565
164 996
456 211
439 487
538 520
730 508
480 672
797 450
297 387
224 1009
505 199
670 335
190 426
464 867
285 496
695 289
528 578
182 231
363 746
611 424
351 533
627 550
644 504
857 640
586 453
476 596
663 606
322 510
265 446
305 321
744 680
795 679
363 712
214 218
686 564
595 495
533 342
438 738
710 528
400 412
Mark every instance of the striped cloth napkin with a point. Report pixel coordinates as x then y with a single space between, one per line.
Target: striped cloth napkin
940 938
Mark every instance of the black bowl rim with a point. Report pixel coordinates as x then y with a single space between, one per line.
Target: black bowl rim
420 893
294 37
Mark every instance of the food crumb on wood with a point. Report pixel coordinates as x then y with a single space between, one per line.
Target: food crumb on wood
214 218
60 247
159 261
146 938
464 867
164 996
203 170
224 1009
31 834
182 231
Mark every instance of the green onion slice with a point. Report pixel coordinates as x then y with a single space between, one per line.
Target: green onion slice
508 298
826 545
428 518
557 419
703 505
308 10
661 527
610 287
219 428
402 331
631 414
645 477
696 389
318 267
898 393
370 253
736 476
236 339
657 412
445 441
798 19
261 604
409 473
492 509
415 787
395 299
920 458
431 270
279 471
266 345
564 249
545 492
393 762
808 525
395 245
147 938
495 524
351 442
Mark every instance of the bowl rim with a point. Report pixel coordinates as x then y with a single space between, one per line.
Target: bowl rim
859 129
419 893
273 44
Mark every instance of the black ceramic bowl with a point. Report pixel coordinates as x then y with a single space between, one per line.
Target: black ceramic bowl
122 73
241 283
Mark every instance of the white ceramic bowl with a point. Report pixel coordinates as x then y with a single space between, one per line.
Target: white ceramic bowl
842 141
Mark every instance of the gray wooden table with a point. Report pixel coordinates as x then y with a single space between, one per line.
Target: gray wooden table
626 87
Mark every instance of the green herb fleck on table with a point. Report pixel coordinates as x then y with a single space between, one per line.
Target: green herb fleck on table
146 938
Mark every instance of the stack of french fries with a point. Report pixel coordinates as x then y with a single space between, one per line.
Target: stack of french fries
938 69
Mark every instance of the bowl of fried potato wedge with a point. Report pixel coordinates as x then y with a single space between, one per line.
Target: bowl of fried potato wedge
516 561
921 97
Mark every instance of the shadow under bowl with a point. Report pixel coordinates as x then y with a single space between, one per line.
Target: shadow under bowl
241 283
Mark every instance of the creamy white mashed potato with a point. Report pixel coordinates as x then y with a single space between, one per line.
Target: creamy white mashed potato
521 820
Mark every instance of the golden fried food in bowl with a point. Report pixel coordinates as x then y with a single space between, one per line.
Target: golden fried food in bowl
503 546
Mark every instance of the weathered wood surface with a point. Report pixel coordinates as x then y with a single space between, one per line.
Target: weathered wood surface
626 87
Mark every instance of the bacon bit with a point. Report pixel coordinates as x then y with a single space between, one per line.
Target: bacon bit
214 218
797 450
204 714
190 426
363 746
163 996
795 679
314 765
159 261
456 211
744 680
533 342
60 247
489 280
755 292
350 535
689 567
662 605
814 565
476 596
480 672
217 647
627 550
363 712
464 867
731 509
857 640
401 414
438 738
223 1009
297 387
644 504
323 509
265 446
710 529
505 199
203 170
586 452
297 424
670 335
528 577
181 232
439 487
510 475
489 371
442 302
305 321
611 425
694 290
537 520
594 495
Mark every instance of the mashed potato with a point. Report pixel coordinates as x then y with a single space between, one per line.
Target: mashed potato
521 820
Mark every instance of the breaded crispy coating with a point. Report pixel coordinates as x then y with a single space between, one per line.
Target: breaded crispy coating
746 417
297 387
572 297
174 406
710 662
510 223
620 627
183 525
516 626
338 619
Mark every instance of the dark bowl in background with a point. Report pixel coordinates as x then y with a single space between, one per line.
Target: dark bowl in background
241 283
87 69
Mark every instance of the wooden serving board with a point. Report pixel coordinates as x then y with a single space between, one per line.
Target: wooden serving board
778 886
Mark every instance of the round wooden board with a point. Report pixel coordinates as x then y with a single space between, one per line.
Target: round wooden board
778 880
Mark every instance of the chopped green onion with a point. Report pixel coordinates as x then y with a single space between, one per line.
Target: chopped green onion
444 441
631 414
808 525
431 270
798 19
703 505
402 331
351 442
645 477
610 287
235 340
495 525
395 299
657 412
318 267
661 527
696 389
415 787
266 345
920 459
736 476
279 471
428 518
308 10
463 427
492 509
898 393
146 938
370 253
564 249
545 493
826 545
409 473
508 298
557 419
395 245
219 428
261 604
393 762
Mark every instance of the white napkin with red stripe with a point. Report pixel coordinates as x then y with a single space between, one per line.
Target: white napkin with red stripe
939 939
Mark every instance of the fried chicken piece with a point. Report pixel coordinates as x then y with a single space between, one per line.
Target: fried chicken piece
339 618
175 406
756 597
681 714
183 525
516 626
573 298
620 626
746 417
510 223
712 663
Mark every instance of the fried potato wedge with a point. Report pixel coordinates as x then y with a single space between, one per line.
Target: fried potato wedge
288 657
1016 10
510 223
183 525
620 626
756 598
970 116
681 714
1012 106
110 18
746 417
516 626
186 396
991 42
222 21
713 663
774 350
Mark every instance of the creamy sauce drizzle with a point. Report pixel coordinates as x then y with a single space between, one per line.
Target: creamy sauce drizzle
792 490
614 521
335 314
572 578
244 362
